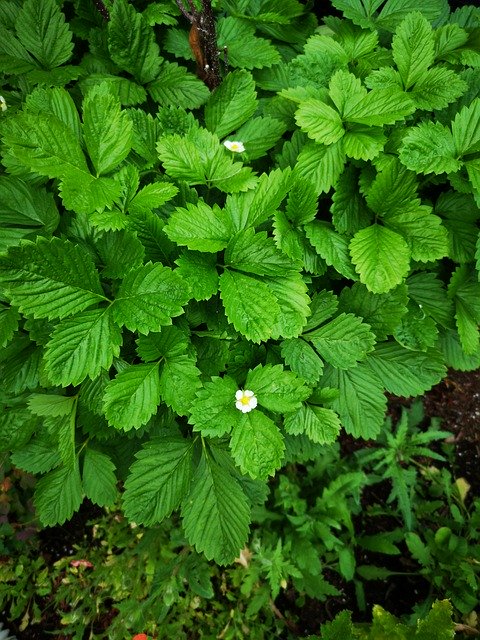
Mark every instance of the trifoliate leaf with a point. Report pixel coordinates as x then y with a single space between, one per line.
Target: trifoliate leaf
302 359
215 513
321 425
42 30
200 227
158 479
257 445
383 312
174 85
321 164
50 279
149 297
98 478
131 43
82 346
404 372
231 104
256 253
249 305
276 390
214 412
381 258
107 130
332 246
58 495
133 396
360 395
343 341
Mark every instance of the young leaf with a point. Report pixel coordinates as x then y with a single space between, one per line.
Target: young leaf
257 445
231 104
58 495
82 346
413 48
381 258
249 305
98 478
277 390
107 130
149 297
51 279
215 513
343 341
133 396
158 480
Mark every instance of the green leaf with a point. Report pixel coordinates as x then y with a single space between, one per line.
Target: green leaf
49 405
169 343
360 395
20 363
257 445
50 279
381 258
466 129
231 104
214 412
245 50
380 107
179 382
437 88
362 142
249 305
431 296
321 122
260 134
321 164
302 359
393 189
426 238
292 298
82 346
438 624
464 290
42 30
38 456
120 251
332 246
215 513
413 48
9 318
271 190
200 227
149 297
158 480
256 253
107 130
418 548
199 272
343 341
429 148
13 55
175 86
149 229
98 478
341 628
133 396
58 495
152 196
383 312
131 42
321 425
405 372
83 193
302 203
276 390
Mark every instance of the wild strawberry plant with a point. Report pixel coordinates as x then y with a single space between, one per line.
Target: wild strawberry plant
195 282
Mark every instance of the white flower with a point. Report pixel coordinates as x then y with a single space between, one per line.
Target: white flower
245 400
3 103
234 145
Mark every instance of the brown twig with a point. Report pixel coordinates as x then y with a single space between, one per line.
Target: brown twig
467 630
291 625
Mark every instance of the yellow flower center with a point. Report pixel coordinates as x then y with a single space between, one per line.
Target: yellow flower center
245 400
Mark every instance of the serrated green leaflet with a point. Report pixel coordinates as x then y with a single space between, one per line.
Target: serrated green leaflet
149 297
321 122
107 130
169 343
381 258
215 513
413 48
429 148
320 424
321 164
158 480
302 359
231 104
200 272
133 396
38 456
58 495
332 246
276 389
98 478
51 279
82 346
179 382
174 85
200 227
245 49
256 253
249 305
257 445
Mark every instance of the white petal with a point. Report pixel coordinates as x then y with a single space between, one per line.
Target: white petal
248 393
239 405
253 403
239 394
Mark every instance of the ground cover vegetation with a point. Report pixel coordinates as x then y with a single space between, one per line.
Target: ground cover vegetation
214 263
